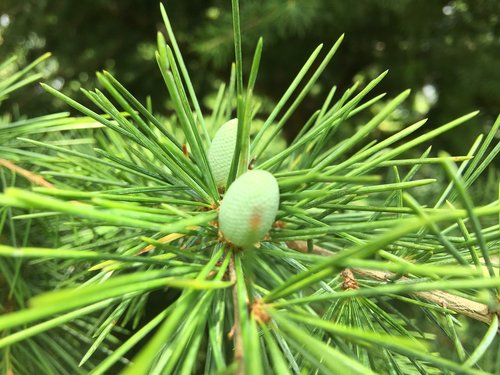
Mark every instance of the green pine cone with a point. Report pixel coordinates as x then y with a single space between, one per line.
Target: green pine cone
220 154
249 208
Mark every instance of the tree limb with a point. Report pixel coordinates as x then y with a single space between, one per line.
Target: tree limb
236 330
30 176
460 305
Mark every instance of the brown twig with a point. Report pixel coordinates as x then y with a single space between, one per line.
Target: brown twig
30 176
302 247
460 305
236 330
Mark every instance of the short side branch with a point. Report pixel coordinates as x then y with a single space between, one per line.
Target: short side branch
460 305
236 330
30 176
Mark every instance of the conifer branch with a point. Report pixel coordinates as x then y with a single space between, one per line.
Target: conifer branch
30 176
460 305
236 330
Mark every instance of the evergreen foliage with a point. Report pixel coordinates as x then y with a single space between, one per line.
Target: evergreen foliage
112 261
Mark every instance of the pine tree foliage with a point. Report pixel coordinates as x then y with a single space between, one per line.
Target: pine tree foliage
112 261
20 281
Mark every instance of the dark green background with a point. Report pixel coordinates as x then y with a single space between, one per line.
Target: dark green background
452 45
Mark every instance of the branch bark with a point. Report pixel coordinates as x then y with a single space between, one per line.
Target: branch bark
460 305
236 330
30 176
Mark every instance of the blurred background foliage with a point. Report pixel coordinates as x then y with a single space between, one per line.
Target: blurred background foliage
447 52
